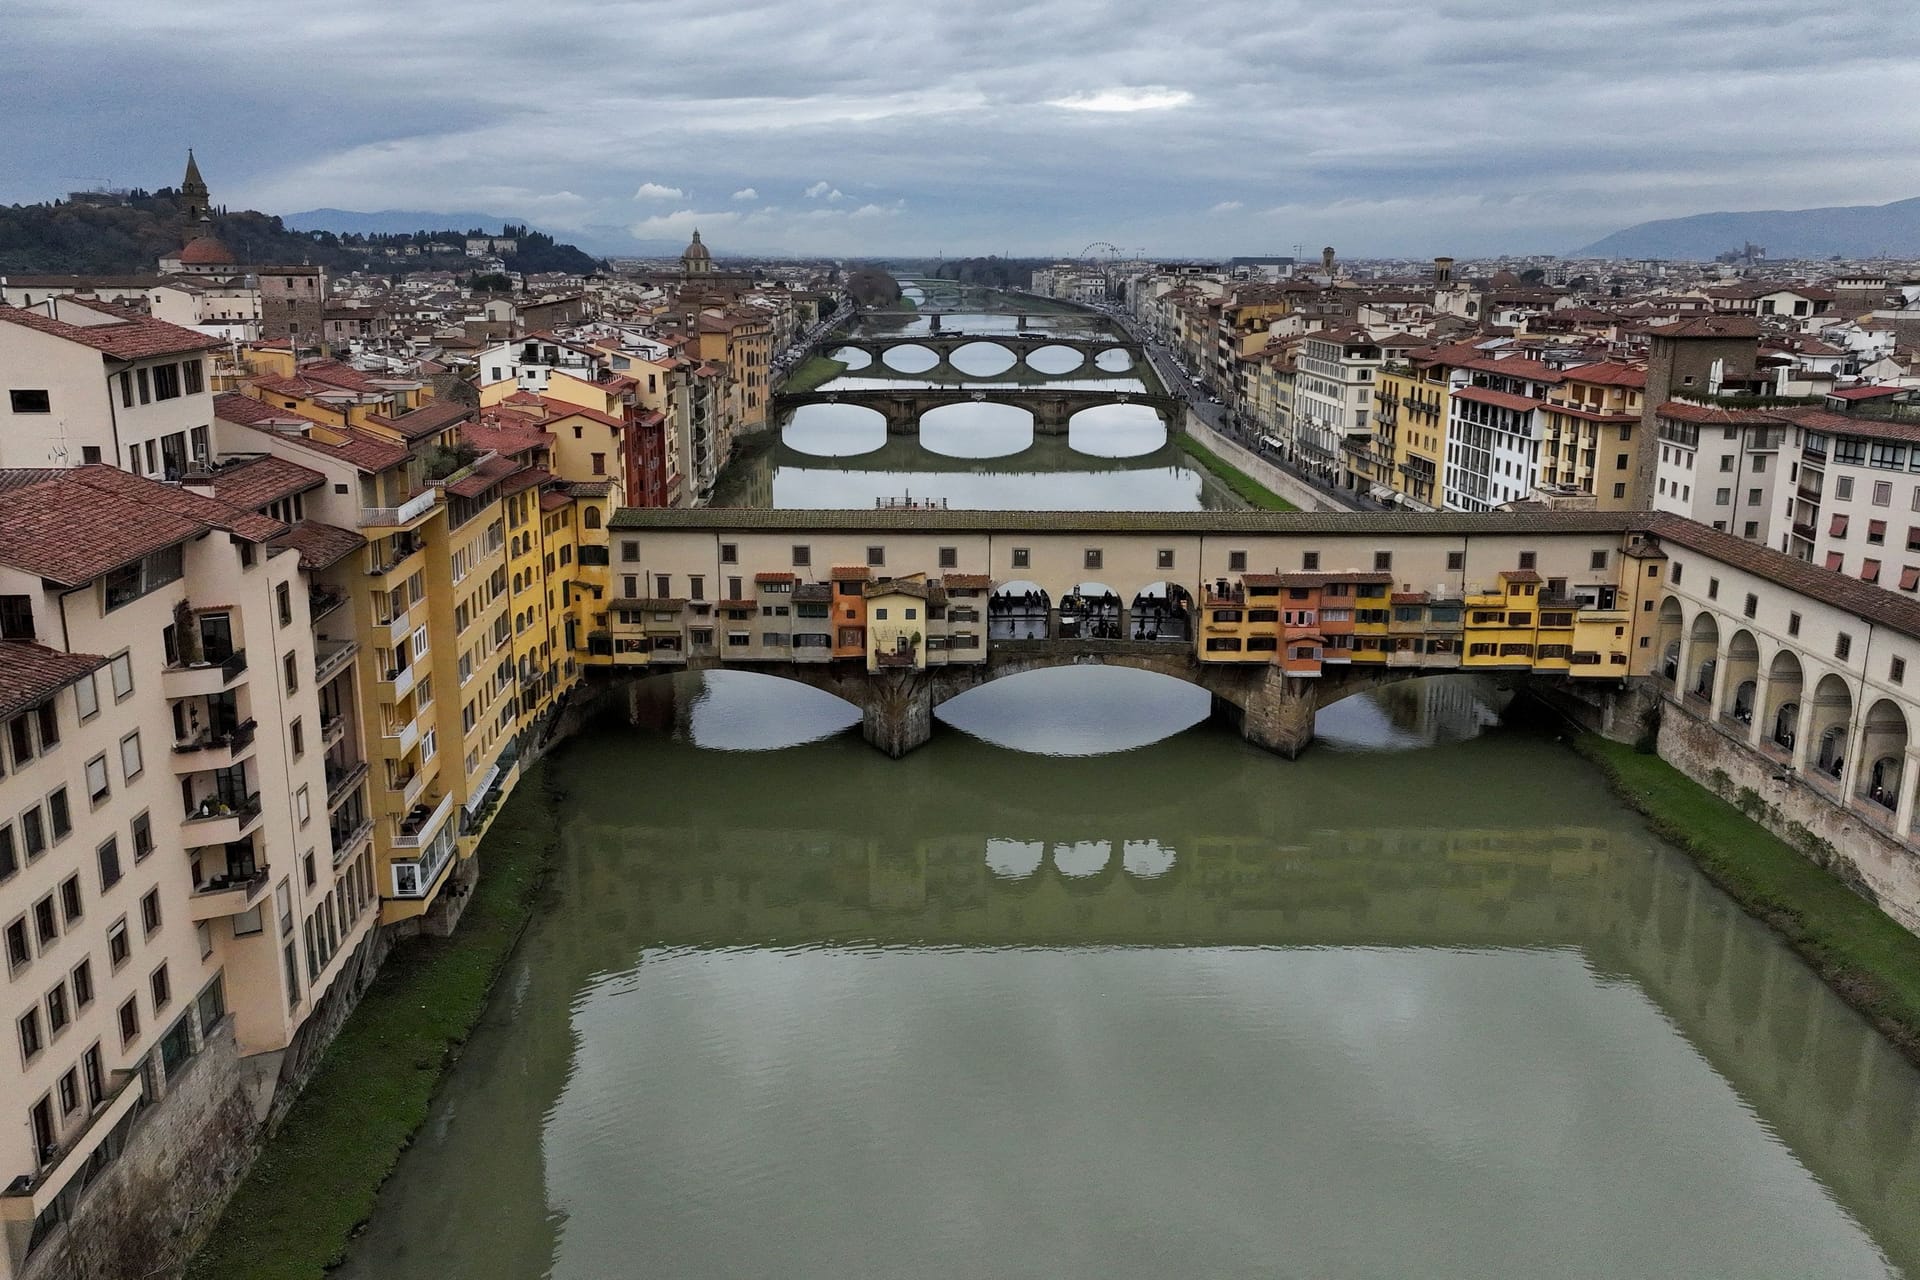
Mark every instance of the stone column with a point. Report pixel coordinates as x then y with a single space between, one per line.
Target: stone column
897 714
1761 726
1856 743
1278 714
1909 785
1716 702
1801 721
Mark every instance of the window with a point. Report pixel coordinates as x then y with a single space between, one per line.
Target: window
83 984
802 556
599 464
119 943
30 1042
97 788
1882 493
129 1021
9 855
1793 624
16 618
130 762
142 837
629 552
1713 588
1093 557
283 604
86 698
35 401
58 816
19 947
1022 557
1843 487
57 1014
1897 670
108 855
150 912
1721 497
70 904
33 833
290 672
879 615
1752 605
1310 561
591 518
121 670
297 735
302 807
162 988
729 553
166 382
696 587
1529 559
949 557
1843 647
1620 491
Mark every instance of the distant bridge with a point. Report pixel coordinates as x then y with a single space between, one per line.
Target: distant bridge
900 453
1021 346
1052 408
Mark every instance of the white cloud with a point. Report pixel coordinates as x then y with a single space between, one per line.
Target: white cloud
654 191
746 193
822 188
1152 97
1228 206
681 222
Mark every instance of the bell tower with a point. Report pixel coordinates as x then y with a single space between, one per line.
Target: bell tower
193 192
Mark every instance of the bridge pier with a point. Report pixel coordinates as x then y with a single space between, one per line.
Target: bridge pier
1275 713
897 712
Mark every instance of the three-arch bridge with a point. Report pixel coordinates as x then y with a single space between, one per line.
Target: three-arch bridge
1052 408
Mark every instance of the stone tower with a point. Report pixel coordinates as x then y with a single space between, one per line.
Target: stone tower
193 192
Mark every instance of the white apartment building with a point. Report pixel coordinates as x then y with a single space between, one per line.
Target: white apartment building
1332 394
1723 467
1496 420
89 382
168 896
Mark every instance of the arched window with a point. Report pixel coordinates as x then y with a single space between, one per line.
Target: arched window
592 518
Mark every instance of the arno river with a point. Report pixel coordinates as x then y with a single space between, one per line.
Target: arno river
1088 987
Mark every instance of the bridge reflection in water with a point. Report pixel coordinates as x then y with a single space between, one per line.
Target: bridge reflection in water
678 862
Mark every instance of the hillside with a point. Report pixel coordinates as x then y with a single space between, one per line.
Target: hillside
1849 231
130 237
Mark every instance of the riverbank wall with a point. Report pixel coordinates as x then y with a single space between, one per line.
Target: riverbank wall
1294 490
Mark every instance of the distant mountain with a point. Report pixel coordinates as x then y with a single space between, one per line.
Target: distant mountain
1848 231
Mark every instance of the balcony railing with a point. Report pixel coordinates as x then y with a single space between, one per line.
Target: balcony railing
321 603
228 895
330 657
407 512
418 827
347 839
234 740
342 782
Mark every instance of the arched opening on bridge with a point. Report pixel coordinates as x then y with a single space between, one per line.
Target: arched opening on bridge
1015 859
1052 359
1667 640
1082 858
1832 713
1147 859
1703 656
976 429
852 357
1091 611
1019 610
1079 709
1743 677
1116 431
1784 680
1883 748
982 359
1410 715
755 711
911 358
1162 611
1114 360
834 430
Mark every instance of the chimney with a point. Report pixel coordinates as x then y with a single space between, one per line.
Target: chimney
1442 273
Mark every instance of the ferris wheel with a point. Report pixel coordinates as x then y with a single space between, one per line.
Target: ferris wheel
1112 251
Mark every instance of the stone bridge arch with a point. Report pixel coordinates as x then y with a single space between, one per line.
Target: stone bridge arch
1052 408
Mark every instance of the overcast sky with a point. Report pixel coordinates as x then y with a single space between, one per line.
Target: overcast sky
1027 126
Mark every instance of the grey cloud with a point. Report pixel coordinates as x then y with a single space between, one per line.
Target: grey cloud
1412 126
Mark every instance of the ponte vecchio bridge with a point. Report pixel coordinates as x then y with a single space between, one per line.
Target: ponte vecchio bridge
1053 408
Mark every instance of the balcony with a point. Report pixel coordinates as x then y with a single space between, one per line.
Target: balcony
402 516
898 660
332 730
228 895
203 679
321 602
348 841
398 684
79 1160
330 658
399 627
342 783
416 878
214 750
417 829
411 788
218 821
398 554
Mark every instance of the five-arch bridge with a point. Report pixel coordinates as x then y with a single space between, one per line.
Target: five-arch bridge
1020 345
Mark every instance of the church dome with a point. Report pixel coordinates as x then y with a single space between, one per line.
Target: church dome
696 252
205 251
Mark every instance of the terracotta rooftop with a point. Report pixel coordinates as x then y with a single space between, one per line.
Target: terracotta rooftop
135 339
429 419
32 673
268 479
850 573
1499 399
966 581
484 477
350 445
320 545
76 525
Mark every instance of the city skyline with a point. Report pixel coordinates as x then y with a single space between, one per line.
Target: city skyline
1404 130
